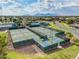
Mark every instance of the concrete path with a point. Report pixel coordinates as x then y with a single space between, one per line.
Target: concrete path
74 31
77 57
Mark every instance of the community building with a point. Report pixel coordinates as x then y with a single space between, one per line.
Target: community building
4 26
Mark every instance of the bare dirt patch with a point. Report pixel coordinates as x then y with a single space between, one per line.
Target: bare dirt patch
26 49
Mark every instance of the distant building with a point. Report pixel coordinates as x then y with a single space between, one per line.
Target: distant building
4 26
77 20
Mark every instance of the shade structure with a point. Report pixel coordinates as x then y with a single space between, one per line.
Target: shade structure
8 26
21 37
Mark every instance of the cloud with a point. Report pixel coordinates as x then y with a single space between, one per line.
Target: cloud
58 7
11 7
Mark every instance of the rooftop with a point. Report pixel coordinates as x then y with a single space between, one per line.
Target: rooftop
51 40
22 34
7 25
19 35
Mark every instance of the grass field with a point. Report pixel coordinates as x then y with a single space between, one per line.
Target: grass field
66 25
3 45
52 25
67 53
3 35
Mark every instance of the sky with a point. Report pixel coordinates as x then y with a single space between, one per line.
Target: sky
39 7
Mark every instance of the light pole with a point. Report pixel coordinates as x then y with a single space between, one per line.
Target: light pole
50 36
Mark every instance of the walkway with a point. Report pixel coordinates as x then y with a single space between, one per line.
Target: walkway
77 57
74 31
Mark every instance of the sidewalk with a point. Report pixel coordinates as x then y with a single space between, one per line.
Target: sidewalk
73 30
77 57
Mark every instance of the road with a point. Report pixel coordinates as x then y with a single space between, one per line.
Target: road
74 31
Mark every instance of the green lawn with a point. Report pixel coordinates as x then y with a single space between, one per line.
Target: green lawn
3 45
67 53
52 25
3 36
66 25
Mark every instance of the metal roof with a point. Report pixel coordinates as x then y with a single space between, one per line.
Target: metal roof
47 32
25 34
22 34
7 25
